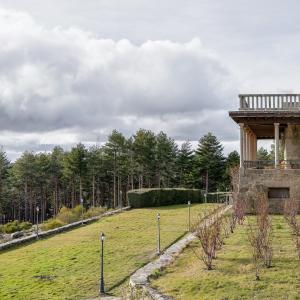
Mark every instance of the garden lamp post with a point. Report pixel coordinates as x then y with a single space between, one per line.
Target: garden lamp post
158 233
81 202
102 291
189 205
37 222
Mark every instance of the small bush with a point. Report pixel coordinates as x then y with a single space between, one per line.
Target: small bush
94 211
14 226
51 224
66 215
11 227
77 211
25 225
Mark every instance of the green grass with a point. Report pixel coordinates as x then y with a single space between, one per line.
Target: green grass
233 276
71 259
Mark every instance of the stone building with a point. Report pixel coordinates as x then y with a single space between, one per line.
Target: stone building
276 117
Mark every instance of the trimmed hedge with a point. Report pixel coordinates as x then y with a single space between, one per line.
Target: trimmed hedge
161 197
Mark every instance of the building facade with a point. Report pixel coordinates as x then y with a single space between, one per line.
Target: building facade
276 117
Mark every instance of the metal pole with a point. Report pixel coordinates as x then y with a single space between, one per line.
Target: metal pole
158 234
37 222
102 290
121 202
81 201
189 205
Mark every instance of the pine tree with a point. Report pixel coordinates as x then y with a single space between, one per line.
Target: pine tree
117 152
75 169
209 163
4 175
263 154
185 165
144 146
166 153
233 159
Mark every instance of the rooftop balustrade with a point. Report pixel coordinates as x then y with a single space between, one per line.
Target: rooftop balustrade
270 102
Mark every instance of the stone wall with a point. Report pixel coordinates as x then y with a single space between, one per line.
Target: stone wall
292 142
252 181
64 228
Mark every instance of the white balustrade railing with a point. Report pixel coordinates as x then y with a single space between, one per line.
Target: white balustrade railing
270 102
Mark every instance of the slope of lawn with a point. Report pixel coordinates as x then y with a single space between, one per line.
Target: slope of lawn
233 276
66 266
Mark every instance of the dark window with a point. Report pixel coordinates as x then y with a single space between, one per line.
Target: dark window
279 193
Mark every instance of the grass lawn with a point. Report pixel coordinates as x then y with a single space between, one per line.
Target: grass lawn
68 263
233 277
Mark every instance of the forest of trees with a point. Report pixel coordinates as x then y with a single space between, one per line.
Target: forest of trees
101 175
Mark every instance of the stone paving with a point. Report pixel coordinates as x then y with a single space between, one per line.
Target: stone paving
140 279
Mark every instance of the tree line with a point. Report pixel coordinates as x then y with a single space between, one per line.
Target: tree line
102 175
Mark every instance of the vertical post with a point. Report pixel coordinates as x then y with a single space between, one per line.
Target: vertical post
121 200
276 126
81 202
158 234
241 145
37 222
189 205
255 148
102 290
249 145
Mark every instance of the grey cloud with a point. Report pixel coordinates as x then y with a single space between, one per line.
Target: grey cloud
54 80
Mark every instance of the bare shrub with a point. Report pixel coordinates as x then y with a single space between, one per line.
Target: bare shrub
260 236
226 225
210 232
265 225
234 174
255 242
233 221
240 210
290 213
206 232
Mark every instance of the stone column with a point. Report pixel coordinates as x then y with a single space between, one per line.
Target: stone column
241 145
246 144
276 127
255 147
251 146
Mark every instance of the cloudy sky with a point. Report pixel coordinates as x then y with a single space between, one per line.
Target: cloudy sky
73 70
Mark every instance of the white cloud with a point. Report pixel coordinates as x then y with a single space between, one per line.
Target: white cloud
71 85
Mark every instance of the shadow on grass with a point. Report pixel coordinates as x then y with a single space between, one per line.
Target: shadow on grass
120 282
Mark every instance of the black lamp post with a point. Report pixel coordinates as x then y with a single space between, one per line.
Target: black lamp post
158 233
37 222
81 202
189 205
102 290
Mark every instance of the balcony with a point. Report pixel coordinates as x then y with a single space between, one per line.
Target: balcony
269 102
267 164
